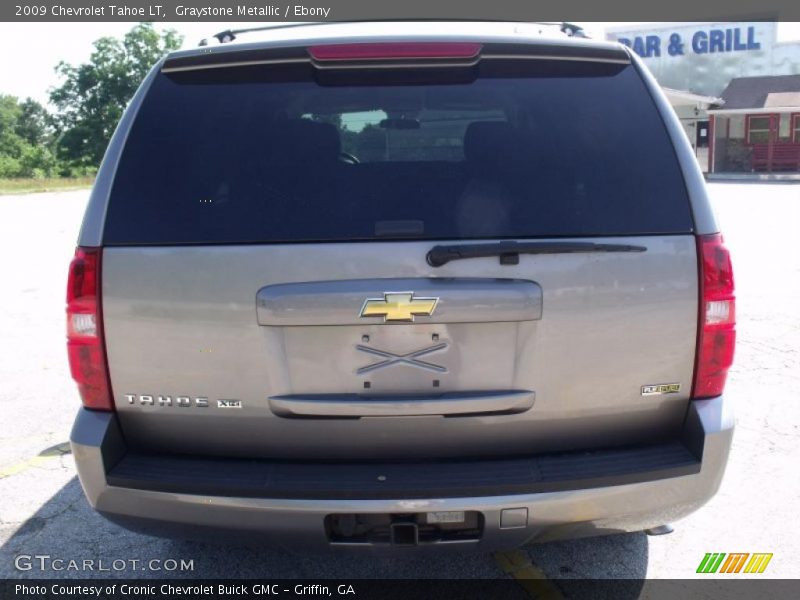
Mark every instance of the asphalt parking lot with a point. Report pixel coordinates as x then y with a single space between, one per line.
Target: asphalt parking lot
43 511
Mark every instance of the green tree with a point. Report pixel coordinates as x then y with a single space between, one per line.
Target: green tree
35 124
94 94
24 137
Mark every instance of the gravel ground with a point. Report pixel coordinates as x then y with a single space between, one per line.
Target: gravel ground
42 509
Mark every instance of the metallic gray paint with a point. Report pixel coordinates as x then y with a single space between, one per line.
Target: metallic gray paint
299 523
182 321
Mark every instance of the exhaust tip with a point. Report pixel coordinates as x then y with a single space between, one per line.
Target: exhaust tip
660 530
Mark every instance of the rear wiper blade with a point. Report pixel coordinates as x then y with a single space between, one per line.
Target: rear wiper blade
509 251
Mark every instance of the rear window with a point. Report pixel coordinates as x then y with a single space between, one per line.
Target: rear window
247 155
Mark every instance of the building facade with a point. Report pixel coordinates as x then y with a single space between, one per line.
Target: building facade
735 88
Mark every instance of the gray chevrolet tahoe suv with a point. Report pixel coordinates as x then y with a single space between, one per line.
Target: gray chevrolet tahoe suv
400 285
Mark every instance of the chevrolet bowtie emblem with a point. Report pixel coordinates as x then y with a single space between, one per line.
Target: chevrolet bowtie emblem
398 306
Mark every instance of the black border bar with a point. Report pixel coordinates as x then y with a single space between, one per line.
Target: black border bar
729 588
369 10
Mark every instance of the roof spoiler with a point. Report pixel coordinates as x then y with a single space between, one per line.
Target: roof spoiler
320 55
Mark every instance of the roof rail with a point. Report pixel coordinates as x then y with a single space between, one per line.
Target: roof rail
229 35
568 29
572 30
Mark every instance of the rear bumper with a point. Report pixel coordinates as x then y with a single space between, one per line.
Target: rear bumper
550 497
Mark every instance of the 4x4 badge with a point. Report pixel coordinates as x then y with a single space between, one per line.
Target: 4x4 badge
398 306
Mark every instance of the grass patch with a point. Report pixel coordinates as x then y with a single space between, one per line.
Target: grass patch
55 184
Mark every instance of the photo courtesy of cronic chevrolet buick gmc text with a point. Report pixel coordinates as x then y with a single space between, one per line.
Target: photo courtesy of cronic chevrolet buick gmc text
372 285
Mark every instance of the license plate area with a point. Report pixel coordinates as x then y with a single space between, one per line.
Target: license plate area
445 516
398 359
404 529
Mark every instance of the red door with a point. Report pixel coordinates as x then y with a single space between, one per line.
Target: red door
762 134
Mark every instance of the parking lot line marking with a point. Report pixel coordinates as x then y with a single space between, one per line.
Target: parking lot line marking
43 457
532 579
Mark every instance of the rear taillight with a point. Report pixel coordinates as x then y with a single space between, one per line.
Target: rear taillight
395 50
717 328
85 346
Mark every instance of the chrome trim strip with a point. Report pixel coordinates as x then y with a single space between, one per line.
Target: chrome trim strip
243 63
593 59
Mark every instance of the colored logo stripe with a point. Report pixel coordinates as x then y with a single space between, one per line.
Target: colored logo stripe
733 564
758 563
711 562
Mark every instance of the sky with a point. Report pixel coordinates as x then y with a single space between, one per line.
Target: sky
31 73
